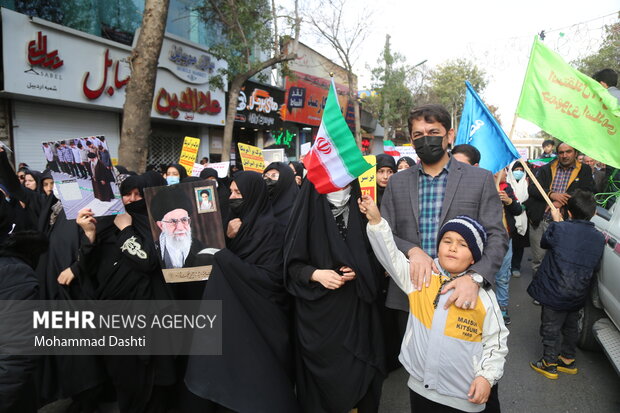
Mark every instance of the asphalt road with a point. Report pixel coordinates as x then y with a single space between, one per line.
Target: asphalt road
596 388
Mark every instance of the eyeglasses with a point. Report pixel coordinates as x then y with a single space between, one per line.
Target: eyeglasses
274 175
21 177
175 222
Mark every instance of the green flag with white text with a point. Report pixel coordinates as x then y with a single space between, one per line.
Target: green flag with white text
570 106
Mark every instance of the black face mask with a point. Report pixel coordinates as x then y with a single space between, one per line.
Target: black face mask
137 207
236 206
271 185
429 149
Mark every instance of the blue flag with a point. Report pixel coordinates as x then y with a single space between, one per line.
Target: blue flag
480 129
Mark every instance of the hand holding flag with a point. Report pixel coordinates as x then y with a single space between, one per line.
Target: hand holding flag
334 160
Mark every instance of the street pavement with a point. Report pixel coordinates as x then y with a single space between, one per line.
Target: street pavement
596 387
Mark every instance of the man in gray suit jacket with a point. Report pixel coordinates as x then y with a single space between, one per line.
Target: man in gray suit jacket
419 200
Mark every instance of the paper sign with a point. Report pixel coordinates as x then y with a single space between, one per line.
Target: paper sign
524 152
251 158
221 168
368 180
197 169
406 151
189 153
305 148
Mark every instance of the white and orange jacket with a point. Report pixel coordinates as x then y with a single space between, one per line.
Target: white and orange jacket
443 350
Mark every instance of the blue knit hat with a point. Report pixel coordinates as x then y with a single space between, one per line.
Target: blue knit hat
472 232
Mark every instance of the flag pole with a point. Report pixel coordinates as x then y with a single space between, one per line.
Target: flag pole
514 122
529 171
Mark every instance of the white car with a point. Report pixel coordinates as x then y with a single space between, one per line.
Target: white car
600 324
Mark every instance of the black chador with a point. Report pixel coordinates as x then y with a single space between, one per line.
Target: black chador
282 192
254 373
340 360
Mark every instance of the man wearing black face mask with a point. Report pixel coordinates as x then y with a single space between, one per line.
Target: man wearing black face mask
419 200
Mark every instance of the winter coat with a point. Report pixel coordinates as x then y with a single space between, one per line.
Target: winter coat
581 178
574 251
18 281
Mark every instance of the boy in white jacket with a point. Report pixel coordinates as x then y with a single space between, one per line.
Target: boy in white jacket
453 356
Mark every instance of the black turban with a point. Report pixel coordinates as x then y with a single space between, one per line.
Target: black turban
168 199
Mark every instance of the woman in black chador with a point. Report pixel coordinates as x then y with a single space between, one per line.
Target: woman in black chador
254 373
332 272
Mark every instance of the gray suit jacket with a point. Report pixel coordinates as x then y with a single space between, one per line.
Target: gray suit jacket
470 191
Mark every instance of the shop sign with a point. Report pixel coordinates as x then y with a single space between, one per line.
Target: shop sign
188 63
306 96
259 106
46 61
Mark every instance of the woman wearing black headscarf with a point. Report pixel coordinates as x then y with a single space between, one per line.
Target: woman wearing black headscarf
386 167
282 190
255 372
175 173
119 258
331 271
404 163
298 169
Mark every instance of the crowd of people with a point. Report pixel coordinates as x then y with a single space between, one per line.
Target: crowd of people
323 294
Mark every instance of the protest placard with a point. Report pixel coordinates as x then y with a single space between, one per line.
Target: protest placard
186 227
251 158
189 153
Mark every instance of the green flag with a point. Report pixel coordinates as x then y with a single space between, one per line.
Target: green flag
570 106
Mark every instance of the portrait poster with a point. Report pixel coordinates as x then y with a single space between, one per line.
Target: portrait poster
251 158
186 227
83 175
368 180
189 152
274 155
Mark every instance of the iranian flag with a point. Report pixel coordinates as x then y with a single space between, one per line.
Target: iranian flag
334 160
390 149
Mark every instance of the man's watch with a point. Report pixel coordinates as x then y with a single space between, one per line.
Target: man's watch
477 278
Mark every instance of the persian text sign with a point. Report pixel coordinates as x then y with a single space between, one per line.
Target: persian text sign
251 158
571 106
189 153
368 180
50 62
259 106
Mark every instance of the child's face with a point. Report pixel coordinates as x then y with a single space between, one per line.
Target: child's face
454 254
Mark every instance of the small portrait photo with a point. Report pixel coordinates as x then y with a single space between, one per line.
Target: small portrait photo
204 199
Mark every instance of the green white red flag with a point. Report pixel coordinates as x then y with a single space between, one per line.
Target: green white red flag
334 159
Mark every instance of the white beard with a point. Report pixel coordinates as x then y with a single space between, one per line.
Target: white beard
177 247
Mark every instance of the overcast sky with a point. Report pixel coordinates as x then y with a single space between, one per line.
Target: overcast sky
496 34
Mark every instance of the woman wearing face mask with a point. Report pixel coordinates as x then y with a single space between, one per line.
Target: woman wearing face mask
282 189
332 273
520 237
175 173
119 261
255 373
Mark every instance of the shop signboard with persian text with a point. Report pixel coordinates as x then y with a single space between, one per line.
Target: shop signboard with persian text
44 60
259 107
306 96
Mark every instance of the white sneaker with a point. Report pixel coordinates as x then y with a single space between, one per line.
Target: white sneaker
516 273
